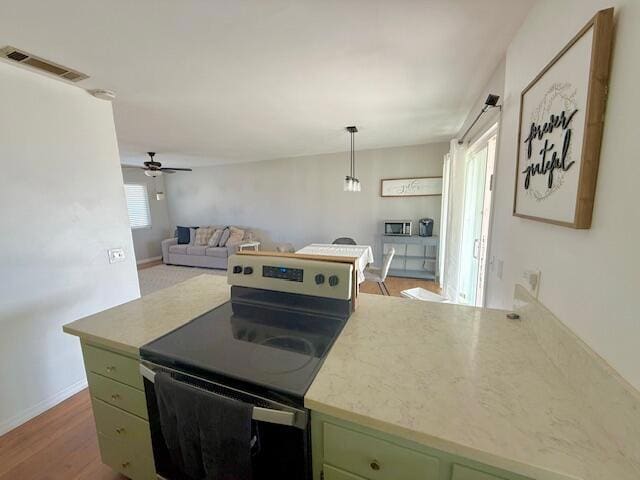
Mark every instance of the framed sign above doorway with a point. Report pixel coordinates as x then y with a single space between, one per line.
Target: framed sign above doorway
410 187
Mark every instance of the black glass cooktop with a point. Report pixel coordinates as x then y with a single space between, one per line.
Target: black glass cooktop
272 347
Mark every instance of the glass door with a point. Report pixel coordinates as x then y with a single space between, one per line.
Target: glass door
475 175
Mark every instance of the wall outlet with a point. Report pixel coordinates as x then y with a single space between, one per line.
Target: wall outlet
532 281
116 255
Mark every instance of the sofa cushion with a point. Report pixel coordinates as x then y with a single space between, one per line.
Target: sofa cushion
183 235
192 235
236 236
178 249
203 234
225 236
220 252
215 238
196 249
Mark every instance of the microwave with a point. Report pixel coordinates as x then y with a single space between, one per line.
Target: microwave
397 227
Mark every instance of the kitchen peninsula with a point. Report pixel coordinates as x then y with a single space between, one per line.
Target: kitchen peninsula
410 390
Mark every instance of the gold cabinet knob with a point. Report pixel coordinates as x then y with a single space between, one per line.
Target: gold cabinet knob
115 397
126 464
374 465
120 430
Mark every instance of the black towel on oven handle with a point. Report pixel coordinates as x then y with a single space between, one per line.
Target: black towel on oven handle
208 435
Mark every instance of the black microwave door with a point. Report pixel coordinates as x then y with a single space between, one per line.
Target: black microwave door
393 228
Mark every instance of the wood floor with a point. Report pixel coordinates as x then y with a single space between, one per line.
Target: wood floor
60 444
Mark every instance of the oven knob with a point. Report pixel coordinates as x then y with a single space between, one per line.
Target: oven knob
237 269
319 279
333 280
248 270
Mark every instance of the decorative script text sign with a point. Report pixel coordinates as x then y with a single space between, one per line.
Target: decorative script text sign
410 187
558 141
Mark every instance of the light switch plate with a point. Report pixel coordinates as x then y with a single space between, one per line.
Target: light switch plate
116 255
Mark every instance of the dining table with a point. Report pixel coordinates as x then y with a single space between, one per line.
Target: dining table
363 253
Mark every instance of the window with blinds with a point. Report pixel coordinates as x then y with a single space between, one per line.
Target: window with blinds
138 205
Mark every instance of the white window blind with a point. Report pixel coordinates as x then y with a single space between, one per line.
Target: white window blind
138 205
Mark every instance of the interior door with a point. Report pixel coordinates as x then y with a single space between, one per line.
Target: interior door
470 246
486 220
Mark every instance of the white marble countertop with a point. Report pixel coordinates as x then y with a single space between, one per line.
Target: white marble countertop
464 380
460 379
131 325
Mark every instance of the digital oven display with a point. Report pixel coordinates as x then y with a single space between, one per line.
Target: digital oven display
291 274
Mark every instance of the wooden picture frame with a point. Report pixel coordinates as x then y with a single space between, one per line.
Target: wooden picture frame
555 179
411 187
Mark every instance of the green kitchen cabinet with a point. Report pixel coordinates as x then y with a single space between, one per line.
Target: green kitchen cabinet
347 451
120 411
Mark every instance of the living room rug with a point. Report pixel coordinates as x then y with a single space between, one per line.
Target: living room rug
163 276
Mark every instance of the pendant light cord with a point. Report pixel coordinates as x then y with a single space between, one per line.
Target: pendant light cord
352 157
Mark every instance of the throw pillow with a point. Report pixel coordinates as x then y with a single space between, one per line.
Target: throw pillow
203 235
215 238
225 236
235 237
192 235
183 235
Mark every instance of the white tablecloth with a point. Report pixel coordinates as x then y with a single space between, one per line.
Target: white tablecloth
363 253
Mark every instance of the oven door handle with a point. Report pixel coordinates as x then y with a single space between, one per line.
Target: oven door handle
260 414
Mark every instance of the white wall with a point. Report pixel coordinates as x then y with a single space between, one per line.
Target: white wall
301 200
62 206
146 241
590 278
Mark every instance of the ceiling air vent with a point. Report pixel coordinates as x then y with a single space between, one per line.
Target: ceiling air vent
24 58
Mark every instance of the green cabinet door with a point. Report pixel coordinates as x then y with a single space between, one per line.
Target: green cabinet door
331 473
460 472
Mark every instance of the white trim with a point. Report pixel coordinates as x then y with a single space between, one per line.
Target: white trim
148 260
42 406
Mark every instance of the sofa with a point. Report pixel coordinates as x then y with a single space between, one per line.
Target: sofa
193 255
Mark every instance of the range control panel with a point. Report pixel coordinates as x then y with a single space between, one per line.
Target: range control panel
292 275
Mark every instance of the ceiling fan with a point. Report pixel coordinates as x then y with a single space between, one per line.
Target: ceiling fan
155 169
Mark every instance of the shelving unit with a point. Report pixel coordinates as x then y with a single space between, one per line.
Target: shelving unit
415 256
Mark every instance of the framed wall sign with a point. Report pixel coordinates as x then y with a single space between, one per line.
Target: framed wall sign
410 187
561 122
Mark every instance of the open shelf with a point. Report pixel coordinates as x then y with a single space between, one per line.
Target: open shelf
412 254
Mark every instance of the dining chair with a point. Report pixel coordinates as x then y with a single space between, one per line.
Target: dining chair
344 241
379 275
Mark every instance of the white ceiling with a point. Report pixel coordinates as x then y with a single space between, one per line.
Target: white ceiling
219 81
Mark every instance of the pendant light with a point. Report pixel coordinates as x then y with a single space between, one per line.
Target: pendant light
351 183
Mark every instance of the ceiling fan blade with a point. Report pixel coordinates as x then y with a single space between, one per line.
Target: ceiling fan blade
177 169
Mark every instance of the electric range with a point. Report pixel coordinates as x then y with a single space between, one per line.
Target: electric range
264 346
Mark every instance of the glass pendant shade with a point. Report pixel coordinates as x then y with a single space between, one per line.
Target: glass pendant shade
351 183
348 184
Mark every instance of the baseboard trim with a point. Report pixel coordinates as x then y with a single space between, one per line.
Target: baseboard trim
148 260
41 407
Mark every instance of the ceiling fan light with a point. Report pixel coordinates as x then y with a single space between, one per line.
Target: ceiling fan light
153 173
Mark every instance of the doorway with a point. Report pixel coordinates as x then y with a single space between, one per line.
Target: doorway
476 218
